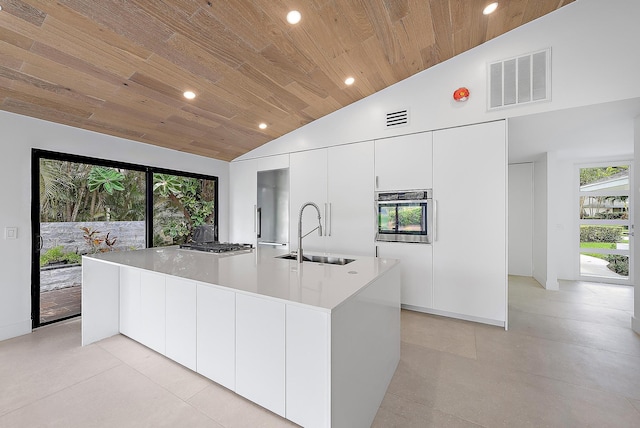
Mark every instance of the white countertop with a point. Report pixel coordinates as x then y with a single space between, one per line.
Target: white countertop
258 271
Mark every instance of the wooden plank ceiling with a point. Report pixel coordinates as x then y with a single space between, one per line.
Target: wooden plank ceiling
120 67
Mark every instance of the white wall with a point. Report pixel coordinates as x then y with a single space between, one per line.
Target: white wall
588 67
540 220
19 135
635 320
521 219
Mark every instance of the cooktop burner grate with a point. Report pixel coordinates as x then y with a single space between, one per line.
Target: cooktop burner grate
216 247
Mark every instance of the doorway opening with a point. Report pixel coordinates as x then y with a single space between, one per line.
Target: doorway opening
605 228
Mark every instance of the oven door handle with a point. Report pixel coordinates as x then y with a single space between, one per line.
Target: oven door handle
396 202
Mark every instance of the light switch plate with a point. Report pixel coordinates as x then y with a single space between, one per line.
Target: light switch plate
10 233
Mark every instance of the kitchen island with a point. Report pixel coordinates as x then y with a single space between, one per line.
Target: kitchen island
315 343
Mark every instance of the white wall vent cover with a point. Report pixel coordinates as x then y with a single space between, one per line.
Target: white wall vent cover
397 118
520 80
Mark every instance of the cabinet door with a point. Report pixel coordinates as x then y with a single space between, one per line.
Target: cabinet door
416 264
470 190
216 341
152 310
404 162
308 374
130 316
260 351
181 321
351 217
308 178
242 201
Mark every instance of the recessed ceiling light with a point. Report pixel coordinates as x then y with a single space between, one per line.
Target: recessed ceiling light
490 8
293 17
189 95
262 126
349 81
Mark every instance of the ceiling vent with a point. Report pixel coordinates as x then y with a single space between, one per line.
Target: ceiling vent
521 80
397 118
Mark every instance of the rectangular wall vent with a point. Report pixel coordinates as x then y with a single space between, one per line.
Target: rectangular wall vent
520 80
397 118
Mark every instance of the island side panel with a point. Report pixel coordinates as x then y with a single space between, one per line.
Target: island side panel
100 300
365 351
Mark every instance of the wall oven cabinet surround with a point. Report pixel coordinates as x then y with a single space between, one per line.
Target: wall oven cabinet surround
405 216
404 162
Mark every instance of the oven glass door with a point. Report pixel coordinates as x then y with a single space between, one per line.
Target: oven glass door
403 221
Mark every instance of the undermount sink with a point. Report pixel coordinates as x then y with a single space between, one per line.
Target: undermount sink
329 260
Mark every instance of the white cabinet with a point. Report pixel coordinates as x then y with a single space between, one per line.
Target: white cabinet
416 263
469 252
242 201
404 162
308 178
308 353
260 351
152 310
351 211
339 180
216 336
130 315
181 321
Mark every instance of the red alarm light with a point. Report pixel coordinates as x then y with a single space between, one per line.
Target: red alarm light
461 94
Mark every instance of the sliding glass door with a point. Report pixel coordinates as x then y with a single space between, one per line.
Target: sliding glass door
83 206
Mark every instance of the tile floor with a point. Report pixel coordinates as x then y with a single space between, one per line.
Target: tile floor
569 359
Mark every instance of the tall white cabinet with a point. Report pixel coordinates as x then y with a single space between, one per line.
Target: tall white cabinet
404 162
470 191
340 181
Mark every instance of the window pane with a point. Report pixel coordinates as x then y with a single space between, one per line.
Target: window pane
613 266
604 178
604 237
410 218
604 207
387 218
180 203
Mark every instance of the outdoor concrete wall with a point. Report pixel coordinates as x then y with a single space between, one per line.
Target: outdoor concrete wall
128 234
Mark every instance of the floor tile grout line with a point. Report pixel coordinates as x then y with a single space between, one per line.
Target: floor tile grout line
186 401
44 397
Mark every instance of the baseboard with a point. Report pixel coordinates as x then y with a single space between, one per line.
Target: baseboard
15 330
635 324
464 317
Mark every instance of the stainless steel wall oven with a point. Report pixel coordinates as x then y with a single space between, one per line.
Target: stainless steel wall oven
405 216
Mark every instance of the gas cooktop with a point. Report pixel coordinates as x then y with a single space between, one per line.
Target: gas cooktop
216 247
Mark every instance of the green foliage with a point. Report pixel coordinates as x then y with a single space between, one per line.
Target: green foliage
186 202
107 179
410 216
58 255
590 233
618 264
591 175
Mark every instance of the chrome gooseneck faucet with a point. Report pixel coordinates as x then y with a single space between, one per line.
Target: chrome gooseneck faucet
300 235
